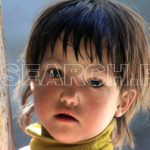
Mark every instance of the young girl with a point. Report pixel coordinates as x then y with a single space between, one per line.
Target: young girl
87 64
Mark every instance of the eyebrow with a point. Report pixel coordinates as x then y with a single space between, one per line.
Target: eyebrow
51 60
98 70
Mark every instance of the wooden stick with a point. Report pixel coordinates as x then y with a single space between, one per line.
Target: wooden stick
6 138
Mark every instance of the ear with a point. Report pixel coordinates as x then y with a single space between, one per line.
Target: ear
32 86
124 104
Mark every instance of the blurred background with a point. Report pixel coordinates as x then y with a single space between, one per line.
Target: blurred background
18 18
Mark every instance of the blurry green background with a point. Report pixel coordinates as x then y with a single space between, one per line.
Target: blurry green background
18 17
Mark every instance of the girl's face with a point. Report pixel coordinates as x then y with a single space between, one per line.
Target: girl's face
78 89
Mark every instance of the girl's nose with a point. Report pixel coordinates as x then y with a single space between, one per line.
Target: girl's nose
70 99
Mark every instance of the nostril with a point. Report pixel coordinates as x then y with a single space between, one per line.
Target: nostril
70 100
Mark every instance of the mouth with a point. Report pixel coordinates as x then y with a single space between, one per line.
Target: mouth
65 117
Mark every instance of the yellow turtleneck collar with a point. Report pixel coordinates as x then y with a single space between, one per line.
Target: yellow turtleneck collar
99 142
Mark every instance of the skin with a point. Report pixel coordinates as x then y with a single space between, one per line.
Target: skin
94 108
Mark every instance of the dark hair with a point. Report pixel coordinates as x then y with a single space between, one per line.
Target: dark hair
107 24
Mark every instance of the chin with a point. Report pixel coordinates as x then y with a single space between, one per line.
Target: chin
67 139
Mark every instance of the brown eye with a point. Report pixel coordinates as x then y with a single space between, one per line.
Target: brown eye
54 73
96 83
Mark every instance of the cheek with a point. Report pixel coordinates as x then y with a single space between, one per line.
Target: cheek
45 92
99 105
92 104
45 99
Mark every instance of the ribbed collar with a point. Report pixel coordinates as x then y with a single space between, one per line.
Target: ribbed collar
99 142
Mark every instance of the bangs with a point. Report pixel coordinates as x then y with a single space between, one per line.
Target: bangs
80 20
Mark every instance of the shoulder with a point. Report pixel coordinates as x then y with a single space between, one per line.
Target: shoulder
25 148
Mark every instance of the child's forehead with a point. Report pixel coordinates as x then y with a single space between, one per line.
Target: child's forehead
70 60
83 54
